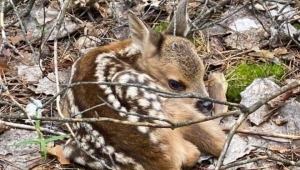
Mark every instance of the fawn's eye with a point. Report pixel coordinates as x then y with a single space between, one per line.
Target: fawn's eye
176 85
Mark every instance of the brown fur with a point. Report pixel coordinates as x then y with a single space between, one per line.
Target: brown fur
151 59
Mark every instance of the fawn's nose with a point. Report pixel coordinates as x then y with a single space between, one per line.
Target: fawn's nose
204 106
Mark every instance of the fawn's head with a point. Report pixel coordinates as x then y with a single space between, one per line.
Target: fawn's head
171 58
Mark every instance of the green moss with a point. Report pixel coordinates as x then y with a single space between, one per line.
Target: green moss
297 26
161 27
243 75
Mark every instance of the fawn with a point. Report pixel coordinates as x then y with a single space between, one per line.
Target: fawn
161 61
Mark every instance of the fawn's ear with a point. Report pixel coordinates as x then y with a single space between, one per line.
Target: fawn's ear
144 37
181 19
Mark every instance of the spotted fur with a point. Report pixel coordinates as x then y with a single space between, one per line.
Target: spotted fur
150 59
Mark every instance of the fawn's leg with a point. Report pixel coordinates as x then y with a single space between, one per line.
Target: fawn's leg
207 136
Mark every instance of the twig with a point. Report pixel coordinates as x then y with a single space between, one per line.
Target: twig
24 14
285 161
104 119
2 27
162 93
275 135
203 26
28 127
244 162
57 26
59 20
23 30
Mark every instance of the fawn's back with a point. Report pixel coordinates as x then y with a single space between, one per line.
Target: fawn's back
160 61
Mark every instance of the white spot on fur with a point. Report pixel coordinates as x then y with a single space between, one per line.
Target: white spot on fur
84 146
96 165
98 145
88 137
144 102
116 104
111 98
132 92
83 140
95 133
138 167
92 139
88 127
141 78
145 94
112 71
124 110
91 151
79 160
130 50
68 149
120 157
124 78
152 113
104 87
101 140
156 105
108 91
153 137
143 129
153 96
108 150
132 118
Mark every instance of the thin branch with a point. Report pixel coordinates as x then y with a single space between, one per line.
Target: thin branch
234 164
268 134
285 161
28 127
23 29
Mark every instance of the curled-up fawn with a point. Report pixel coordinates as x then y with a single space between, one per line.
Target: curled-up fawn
158 60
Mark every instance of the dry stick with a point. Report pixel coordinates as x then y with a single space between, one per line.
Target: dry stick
24 14
22 28
285 161
59 20
2 27
22 126
57 26
245 114
210 11
203 26
104 119
244 162
162 93
275 135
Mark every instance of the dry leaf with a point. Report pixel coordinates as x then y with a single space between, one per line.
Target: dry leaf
3 66
279 120
16 39
31 74
281 51
58 152
6 52
258 89
262 53
3 127
280 149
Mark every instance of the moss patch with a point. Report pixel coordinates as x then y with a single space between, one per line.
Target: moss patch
243 75
161 27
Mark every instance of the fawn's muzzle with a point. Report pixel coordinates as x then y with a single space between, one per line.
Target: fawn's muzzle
204 106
